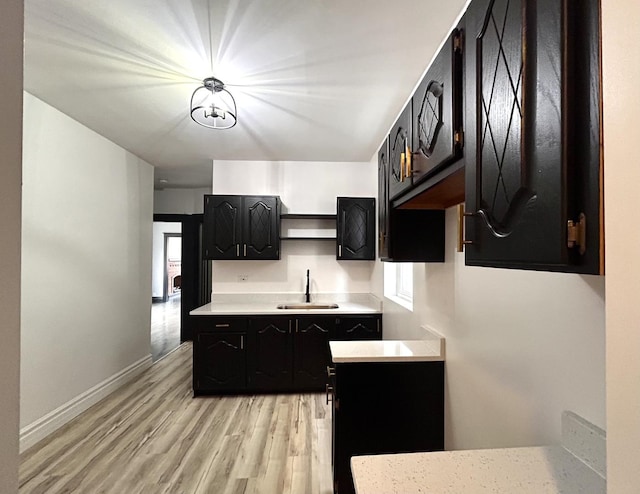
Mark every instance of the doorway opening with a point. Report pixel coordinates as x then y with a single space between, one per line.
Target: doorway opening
166 288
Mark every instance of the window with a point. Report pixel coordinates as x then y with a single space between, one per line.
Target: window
398 283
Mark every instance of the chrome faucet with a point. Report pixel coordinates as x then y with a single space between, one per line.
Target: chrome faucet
307 295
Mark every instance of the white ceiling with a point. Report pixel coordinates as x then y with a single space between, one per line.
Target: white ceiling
314 80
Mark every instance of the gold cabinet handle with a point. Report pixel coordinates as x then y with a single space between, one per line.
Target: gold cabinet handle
408 167
461 216
402 163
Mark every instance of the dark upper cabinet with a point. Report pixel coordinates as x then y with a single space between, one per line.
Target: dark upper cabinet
400 154
241 227
356 228
383 199
533 110
406 235
437 112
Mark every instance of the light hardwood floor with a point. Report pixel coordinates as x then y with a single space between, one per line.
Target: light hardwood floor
165 327
152 437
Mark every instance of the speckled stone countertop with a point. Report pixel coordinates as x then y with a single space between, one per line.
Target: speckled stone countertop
386 351
577 467
267 304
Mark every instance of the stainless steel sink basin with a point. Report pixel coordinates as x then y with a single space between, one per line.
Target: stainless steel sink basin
308 306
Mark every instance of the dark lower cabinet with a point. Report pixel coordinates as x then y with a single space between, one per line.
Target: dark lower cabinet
242 354
311 354
270 352
388 407
221 361
359 327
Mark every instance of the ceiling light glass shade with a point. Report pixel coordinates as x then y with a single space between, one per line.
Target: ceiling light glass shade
212 106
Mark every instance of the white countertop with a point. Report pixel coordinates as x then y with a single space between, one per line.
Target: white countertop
538 470
267 304
387 351
576 467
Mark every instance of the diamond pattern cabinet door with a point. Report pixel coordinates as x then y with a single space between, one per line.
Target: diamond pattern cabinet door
531 78
261 227
356 228
221 228
437 111
400 154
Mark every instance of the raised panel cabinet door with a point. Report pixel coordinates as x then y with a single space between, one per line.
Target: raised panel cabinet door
270 353
359 327
437 111
261 227
400 154
532 88
383 200
222 227
311 354
221 361
356 228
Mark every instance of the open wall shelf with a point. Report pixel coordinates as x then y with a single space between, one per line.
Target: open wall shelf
308 226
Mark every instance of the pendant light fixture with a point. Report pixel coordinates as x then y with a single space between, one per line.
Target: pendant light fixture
213 106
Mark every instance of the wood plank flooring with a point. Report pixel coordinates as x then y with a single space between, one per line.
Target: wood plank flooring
152 437
165 327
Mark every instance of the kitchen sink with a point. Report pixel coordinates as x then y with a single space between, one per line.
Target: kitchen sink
308 306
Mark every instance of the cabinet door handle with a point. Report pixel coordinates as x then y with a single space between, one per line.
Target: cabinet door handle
339 250
241 342
296 325
245 250
289 326
226 325
329 390
237 250
331 371
461 216
378 324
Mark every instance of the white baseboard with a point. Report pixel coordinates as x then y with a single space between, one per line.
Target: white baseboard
41 428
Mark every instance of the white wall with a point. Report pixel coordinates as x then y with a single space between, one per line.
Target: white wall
522 346
304 187
159 229
621 68
11 46
179 201
86 260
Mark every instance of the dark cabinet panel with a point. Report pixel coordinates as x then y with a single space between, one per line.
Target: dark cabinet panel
359 327
390 407
270 353
311 354
261 227
532 85
400 154
383 200
241 227
356 228
437 111
222 227
221 362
